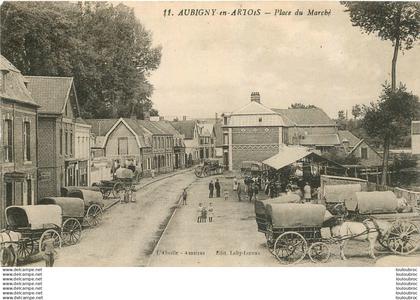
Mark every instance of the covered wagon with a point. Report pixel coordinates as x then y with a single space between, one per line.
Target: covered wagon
294 229
336 196
34 223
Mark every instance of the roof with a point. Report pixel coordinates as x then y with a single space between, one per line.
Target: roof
209 127
14 88
362 141
166 127
140 131
100 127
253 108
185 127
320 140
152 126
51 93
286 156
305 116
347 135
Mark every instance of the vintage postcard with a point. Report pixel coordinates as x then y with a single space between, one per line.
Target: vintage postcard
188 134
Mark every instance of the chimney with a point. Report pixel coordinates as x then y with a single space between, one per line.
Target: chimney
161 118
146 115
184 118
255 96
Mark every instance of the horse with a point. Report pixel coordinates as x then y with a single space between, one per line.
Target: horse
369 230
8 248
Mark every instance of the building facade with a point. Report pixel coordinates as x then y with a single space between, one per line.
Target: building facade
57 162
82 152
190 131
18 154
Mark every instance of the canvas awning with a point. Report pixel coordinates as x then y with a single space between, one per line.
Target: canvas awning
287 156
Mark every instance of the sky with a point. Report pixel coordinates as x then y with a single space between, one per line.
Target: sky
211 64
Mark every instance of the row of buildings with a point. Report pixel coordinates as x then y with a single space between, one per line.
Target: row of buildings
46 145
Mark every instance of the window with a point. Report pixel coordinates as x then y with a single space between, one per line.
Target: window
122 146
9 193
66 142
71 142
29 191
61 141
8 140
364 153
26 141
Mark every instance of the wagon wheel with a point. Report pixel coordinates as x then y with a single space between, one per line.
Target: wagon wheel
25 248
198 171
403 237
93 215
206 171
290 247
54 234
269 235
118 190
319 252
71 231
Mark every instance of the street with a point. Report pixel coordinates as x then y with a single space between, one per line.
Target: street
128 231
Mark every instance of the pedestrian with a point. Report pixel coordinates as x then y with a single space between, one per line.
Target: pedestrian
203 214
49 250
250 192
217 186
210 213
211 188
184 197
307 192
199 212
239 191
226 194
235 184
255 190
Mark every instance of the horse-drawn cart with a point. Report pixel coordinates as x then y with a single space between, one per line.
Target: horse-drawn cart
33 225
124 180
93 203
209 167
294 230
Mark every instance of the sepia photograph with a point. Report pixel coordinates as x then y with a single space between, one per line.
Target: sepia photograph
209 134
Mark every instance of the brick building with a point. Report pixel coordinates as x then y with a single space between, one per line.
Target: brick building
57 163
255 132
18 167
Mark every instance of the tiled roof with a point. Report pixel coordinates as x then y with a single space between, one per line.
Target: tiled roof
142 134
347 135
100 127
253 108
166 127
50 92
152 127
185 127
320 140
14 88
305 116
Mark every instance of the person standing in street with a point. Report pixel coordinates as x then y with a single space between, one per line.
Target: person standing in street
203 214
239 191
217 186
211 188
210 212
235 184
184 197
307 194
199 213
255 189
250 192
49 251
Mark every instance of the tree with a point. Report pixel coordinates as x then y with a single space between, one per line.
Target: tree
389 118
397 22
301 105
356 111
104 47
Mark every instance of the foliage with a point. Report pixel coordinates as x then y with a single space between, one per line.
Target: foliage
301 105
397 22
403 161
104 47
356 111
390 117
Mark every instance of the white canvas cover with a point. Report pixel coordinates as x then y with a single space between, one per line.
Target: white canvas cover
124 173
71 207
295 215
34 216
260 205
341 192
286 156
373 202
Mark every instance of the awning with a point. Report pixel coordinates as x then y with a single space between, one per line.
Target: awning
286 156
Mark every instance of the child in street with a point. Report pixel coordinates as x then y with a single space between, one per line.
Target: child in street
199 213
184 197
204 214
210 212
49 251
226 194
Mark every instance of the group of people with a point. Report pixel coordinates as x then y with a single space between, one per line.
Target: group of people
205 213
212 187
251 187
